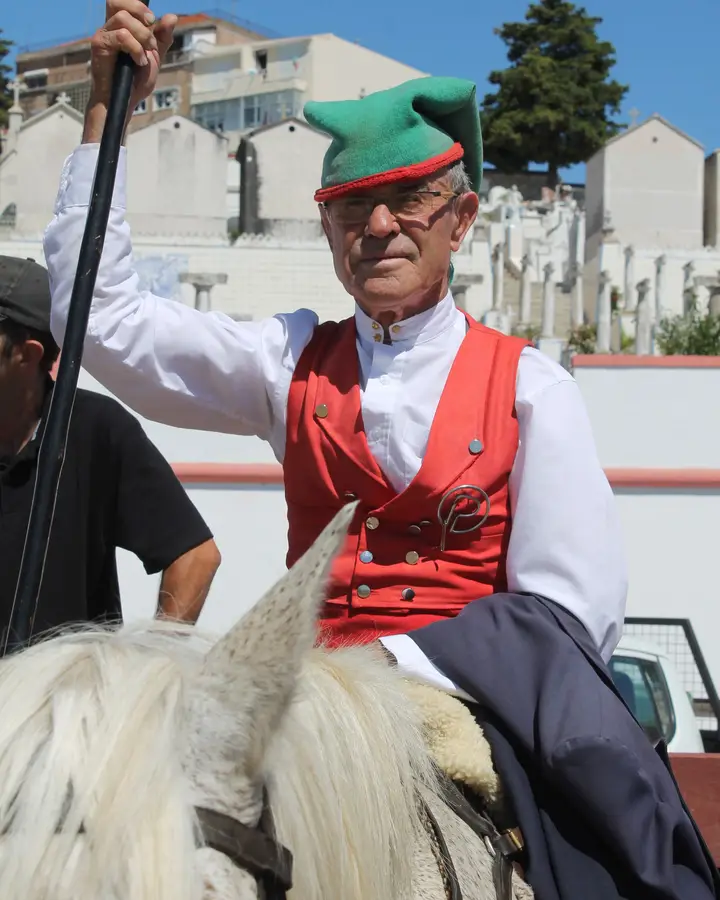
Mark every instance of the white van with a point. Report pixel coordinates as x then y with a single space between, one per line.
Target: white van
652 689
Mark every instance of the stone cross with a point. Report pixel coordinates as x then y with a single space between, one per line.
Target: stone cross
634 114
63 98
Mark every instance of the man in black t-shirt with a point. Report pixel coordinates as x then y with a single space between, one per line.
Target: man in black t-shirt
116 489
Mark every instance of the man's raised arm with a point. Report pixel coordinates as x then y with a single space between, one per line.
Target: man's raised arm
169 362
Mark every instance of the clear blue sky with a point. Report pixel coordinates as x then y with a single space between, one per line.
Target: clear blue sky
667 50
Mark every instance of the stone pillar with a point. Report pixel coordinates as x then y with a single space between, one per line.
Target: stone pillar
577 310
714 300
497 317
688 285
644 320
498 259
660 264
525 291
203 282
604 314
548 302
514 229
548 343
629 290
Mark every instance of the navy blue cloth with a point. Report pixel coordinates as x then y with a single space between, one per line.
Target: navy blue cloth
599 809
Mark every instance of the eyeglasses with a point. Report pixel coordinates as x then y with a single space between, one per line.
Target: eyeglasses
408 204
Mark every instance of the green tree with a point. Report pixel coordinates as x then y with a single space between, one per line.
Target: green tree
6 97
554 102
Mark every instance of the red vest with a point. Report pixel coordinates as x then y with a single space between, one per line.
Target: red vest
392 575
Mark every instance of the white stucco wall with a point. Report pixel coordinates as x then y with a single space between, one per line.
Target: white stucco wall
651 416
653 187
671 548
248 522
290 157
30 176
341 70
177 179
177 175
249 525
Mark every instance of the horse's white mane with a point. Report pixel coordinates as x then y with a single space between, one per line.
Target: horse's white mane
91 733
343 774
92 730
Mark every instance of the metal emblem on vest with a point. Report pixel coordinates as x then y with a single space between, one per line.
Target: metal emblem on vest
462 510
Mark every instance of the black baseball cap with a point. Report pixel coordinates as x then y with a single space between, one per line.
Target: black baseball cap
25 293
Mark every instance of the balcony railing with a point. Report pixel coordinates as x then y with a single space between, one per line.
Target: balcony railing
177 58
236 83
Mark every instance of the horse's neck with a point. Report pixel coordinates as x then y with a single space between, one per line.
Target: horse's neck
345 774
342 778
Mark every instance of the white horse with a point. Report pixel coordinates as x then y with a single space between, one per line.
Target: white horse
112 740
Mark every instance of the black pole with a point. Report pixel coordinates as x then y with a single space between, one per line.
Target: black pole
52 446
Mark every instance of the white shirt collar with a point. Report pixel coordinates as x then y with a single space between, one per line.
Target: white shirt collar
417 329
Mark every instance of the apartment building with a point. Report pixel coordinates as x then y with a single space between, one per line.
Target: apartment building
237 89
63 70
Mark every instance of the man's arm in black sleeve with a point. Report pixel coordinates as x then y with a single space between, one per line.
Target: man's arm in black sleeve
156 520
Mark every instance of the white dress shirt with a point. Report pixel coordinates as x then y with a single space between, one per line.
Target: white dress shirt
176 365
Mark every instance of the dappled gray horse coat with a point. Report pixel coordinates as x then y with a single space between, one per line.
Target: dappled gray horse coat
600 811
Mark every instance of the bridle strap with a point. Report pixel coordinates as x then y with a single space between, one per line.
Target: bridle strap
252 849
504 847
454 891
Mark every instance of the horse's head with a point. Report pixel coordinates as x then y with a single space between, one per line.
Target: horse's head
110 742
246 683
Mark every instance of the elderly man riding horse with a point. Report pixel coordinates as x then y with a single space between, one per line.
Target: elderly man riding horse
486 552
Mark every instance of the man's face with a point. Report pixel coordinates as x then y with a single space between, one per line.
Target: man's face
391 246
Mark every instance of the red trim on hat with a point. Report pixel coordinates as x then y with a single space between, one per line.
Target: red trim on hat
392 176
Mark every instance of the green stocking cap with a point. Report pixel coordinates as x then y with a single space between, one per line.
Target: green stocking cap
405 133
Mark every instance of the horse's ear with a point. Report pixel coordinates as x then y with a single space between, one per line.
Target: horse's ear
252 670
